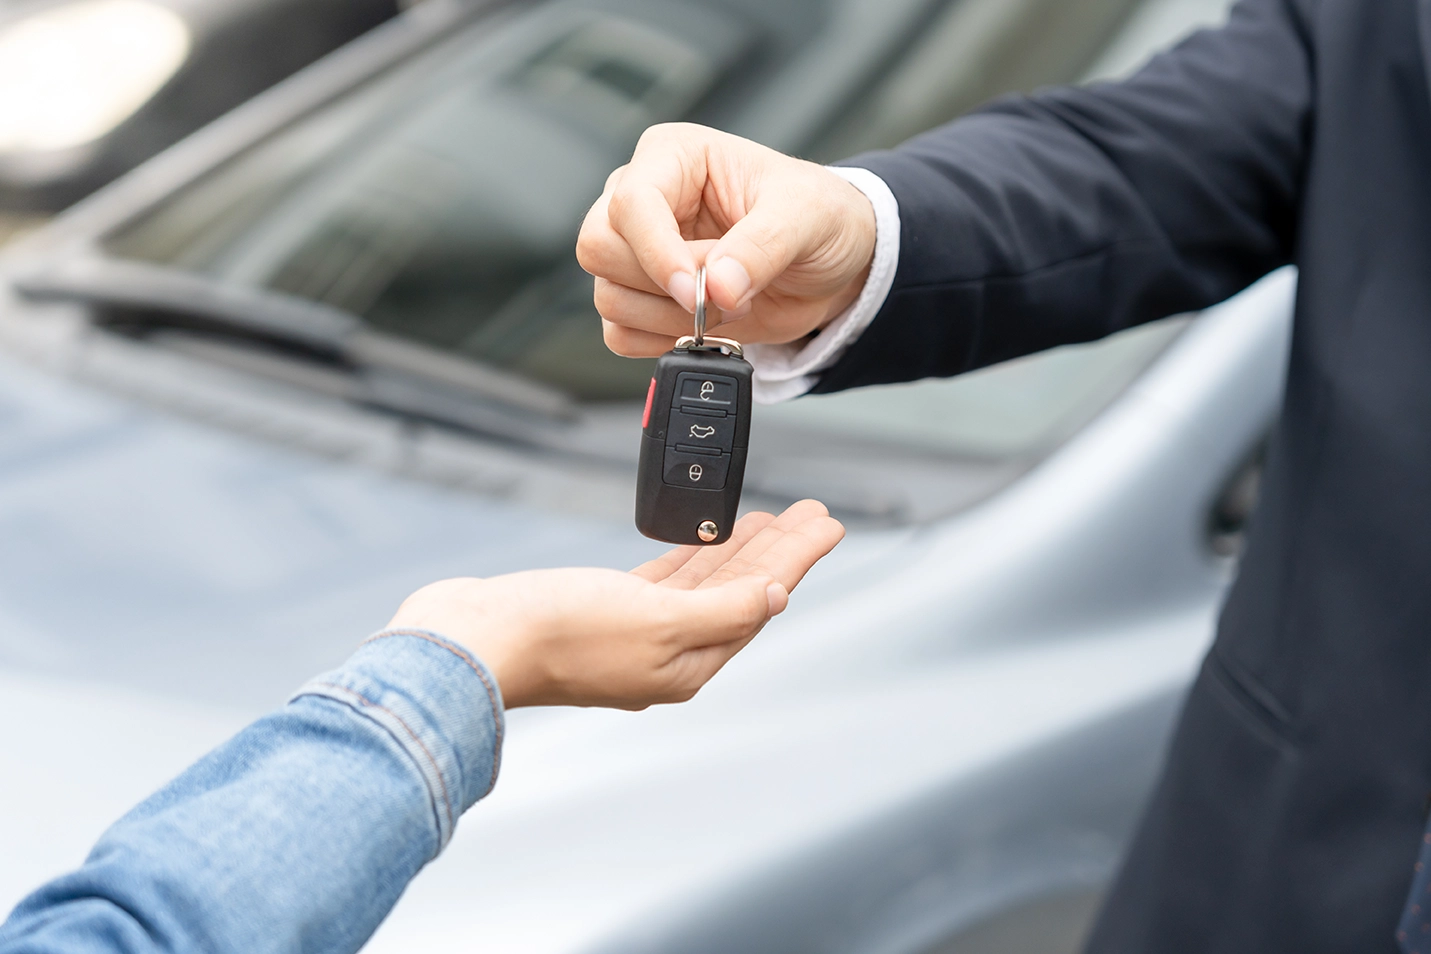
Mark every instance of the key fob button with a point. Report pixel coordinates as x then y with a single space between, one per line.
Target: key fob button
706 390
701 430
697 471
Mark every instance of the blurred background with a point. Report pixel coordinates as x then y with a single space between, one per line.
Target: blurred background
291 323
91 88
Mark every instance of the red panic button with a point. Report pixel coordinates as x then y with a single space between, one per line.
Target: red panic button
650 396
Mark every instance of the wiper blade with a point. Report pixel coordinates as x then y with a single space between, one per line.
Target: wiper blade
386 371
389 357
153 295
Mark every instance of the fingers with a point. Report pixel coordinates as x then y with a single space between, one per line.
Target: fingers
602 251
791 557
598 637
658 313
641 325
752 255
718 615
634 344
662 183
654 571
785 223
770 209
787 549
641 311
695 667
687 567
738 586
631 343
717 558
781 239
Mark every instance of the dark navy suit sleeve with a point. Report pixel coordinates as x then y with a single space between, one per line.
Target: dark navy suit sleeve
1073 213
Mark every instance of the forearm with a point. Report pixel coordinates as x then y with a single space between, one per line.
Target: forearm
1077 212
302 831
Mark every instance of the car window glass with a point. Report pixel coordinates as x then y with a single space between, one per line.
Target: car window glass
442 204
971 52
1155 25
1014 409
441 201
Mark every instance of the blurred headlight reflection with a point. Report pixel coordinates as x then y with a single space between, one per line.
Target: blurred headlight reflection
71 74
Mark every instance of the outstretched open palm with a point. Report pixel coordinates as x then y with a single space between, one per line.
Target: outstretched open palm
629 640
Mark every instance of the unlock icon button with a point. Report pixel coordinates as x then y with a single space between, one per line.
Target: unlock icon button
702 390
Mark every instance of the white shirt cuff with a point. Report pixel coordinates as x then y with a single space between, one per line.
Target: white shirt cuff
786 371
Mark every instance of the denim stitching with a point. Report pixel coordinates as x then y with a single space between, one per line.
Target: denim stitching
470 660
446 800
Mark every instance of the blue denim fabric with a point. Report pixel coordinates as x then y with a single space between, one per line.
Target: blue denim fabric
301 832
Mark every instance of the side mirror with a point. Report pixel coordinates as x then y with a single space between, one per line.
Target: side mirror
1232 512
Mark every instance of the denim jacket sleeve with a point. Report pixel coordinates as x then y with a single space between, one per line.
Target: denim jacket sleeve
301 832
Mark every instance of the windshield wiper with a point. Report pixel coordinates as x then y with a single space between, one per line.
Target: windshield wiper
382 370
158 296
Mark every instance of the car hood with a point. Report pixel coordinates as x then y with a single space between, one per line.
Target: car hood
163 582
148 551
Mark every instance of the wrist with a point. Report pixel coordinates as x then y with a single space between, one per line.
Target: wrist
464 612
847 296
858 228
502 652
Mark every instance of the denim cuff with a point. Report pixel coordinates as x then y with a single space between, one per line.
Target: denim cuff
437 701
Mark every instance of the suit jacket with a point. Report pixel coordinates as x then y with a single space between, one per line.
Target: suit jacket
1292 807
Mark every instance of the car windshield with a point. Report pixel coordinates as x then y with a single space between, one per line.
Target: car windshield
439 201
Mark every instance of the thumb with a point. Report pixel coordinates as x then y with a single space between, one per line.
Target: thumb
756 250
721 614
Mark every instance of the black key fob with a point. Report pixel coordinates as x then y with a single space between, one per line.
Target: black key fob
693 439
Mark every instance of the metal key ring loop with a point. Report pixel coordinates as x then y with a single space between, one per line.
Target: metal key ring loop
700 306
698 340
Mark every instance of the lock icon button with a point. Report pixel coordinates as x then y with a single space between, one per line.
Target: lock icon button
697 471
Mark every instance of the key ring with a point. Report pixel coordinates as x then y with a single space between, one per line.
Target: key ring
697 342
700 306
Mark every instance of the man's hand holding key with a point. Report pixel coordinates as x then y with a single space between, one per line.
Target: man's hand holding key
787 244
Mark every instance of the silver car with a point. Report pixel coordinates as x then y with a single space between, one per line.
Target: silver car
336 346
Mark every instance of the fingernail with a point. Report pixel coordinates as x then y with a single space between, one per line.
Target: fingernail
731 276
777 598
682 287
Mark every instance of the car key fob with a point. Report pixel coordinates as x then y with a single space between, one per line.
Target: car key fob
694 437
